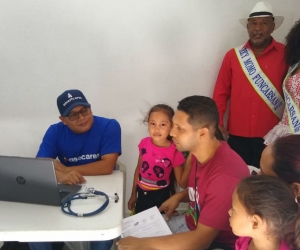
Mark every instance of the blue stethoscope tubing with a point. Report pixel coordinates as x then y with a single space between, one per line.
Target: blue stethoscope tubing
66 205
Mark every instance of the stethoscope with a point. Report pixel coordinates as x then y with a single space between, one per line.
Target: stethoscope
89 193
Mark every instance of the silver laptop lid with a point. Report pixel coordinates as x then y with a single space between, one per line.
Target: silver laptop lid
29 180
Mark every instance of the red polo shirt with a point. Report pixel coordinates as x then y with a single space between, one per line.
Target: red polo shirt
249 115
210 188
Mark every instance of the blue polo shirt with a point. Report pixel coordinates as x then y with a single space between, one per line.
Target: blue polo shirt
72 149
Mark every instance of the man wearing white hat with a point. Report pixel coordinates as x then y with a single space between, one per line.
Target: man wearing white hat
251 77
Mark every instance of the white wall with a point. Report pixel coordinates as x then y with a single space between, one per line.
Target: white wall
125 55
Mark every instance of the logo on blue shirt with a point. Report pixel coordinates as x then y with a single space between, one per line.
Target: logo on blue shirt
83 157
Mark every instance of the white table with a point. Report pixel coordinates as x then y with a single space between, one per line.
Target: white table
32 223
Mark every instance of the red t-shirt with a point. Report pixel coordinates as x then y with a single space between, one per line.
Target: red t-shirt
215 182
249 115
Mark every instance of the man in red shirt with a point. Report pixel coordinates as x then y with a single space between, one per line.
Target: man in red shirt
251 77
214 173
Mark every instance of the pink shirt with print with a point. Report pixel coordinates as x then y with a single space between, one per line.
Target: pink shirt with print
157 164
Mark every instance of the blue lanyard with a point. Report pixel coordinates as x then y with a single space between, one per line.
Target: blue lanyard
66 205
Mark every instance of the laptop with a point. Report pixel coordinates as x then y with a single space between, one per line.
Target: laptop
32 180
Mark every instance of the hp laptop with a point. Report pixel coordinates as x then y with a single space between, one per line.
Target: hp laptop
32 180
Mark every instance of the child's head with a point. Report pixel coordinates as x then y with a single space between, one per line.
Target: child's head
159 120
263 204
282 159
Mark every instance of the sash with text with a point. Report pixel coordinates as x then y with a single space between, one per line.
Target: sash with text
259 81
291 107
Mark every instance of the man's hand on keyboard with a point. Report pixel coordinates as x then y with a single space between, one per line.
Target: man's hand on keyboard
71 178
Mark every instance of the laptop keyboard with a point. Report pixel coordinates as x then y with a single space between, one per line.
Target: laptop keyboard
63 194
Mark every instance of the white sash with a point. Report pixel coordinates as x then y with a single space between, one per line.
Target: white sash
291 107
259 81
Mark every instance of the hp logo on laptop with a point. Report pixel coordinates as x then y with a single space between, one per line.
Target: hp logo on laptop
20 180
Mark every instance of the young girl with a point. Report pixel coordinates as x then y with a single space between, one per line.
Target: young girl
265 214
158 157
289 123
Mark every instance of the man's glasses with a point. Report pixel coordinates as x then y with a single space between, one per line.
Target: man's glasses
74 115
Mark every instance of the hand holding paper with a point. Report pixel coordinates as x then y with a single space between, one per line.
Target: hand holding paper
149 223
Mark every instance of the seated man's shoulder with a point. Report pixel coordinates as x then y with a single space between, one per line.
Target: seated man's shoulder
229 153
106 121
57 127
230 163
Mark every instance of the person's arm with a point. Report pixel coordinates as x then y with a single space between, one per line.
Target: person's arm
169 206
182 173
74 175
102 167
48 149
199 239
71 178
222 89
133 197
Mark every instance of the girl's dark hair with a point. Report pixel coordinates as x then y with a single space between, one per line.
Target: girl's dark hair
285 151
273 200
160 107
292 48
170 113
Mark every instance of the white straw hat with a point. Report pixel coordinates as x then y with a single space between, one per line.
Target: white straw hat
262 9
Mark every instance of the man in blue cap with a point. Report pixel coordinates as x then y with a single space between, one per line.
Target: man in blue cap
84 145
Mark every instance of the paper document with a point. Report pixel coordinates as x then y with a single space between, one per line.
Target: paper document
148 223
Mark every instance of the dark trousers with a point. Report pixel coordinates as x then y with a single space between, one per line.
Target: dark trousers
94 245
248 148
148 199
15 245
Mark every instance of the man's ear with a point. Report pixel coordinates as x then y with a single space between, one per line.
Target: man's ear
203 132
62 119
296 188
257 222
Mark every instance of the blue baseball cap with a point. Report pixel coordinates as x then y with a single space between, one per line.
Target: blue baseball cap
70 99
